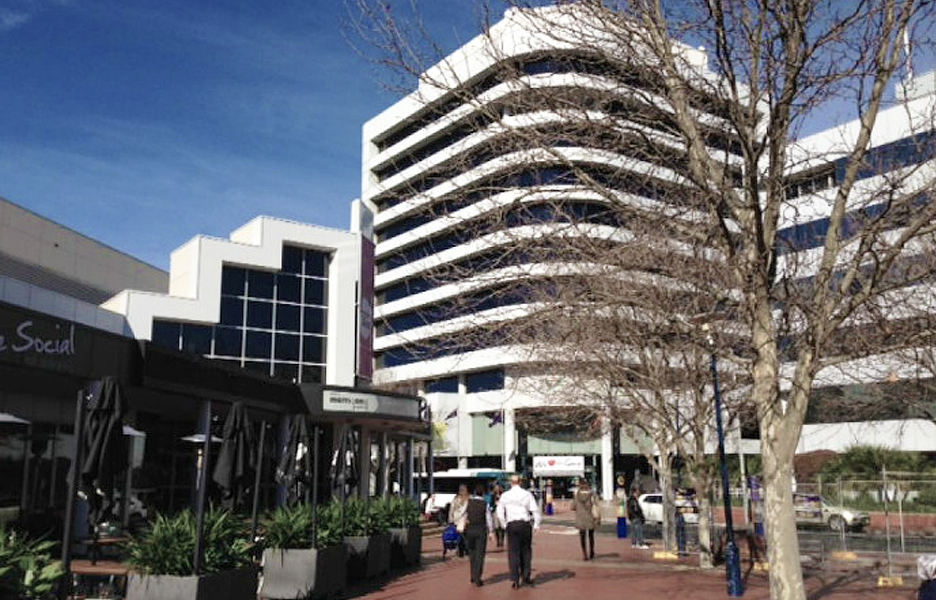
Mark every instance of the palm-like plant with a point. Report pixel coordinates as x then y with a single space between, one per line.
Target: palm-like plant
167 547
27 570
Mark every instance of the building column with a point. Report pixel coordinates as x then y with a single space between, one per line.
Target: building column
607 459
364 463
382 467
510 440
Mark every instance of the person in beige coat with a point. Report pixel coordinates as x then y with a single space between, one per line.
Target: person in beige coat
585 505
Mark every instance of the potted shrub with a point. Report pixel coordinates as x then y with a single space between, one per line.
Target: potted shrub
367 537
292 566
27 570
162 559
405 533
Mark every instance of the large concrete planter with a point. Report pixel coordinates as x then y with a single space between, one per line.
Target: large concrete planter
368 556
237 584
405 546
303 573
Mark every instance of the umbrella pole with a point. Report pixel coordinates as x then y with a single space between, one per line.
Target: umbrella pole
202 482
128 483
68 527
315 478
256 487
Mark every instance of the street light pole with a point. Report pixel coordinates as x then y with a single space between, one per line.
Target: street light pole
732 556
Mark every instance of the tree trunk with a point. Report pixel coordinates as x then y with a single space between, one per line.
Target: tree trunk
786 575
706 560
669 506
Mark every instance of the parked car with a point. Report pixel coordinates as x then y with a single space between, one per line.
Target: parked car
652 507
812 509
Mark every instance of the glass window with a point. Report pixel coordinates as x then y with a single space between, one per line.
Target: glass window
232 280
288 288
312 374
446 384
196 338
287 317
166 334
228 341
259 344
316 263
292 259
262 367
259 284
232 311
483 381
313 349
286 371
260 314
287 347
315 292
314 320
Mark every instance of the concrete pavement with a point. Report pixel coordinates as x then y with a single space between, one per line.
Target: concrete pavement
618 571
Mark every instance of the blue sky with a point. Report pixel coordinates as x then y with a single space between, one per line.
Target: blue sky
143 123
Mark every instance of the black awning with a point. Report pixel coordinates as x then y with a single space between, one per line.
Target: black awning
192 375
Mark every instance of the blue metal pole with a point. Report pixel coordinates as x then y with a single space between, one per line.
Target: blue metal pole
732 556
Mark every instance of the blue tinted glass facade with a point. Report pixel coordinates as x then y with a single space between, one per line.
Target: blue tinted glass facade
271 323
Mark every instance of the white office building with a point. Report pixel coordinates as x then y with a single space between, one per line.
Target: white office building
437 165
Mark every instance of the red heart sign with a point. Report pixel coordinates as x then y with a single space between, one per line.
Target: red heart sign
551 462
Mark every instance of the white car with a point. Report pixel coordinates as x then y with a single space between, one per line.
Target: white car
652 507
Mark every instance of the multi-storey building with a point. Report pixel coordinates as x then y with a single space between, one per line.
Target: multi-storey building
878 399
452 172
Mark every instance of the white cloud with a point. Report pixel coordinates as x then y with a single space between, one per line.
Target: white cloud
10 20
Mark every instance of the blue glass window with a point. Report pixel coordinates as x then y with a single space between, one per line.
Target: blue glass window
196 338
166 334
288 288
259 344
232 280
483 381
447 385
260 314
228 341
313 349
314 320
232 311
292 259
259 284
315 291
287 317
287 347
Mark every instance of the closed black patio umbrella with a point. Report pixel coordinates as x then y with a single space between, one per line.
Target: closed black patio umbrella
104 453
294 469
234 469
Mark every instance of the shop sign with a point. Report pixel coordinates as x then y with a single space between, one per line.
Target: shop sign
27 338
374 404
558 466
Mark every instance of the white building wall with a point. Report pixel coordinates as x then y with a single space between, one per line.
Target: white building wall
195 290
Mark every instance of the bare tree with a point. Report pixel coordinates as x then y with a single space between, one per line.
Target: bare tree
657 186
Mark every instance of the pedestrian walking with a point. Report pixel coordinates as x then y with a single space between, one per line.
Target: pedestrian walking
585 503
636 517
478 526
519 510
457 515
500 530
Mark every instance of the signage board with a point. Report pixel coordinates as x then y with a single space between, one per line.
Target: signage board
558 466
370 404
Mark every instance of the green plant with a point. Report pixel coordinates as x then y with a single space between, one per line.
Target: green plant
378 516
356 518
27 570
402 511
289 527
167 547
330 528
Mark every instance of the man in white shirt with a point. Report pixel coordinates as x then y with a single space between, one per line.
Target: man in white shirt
518 509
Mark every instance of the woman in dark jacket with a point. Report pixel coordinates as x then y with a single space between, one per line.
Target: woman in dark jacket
478 525
584 505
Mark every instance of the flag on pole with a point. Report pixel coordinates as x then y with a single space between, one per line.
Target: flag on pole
496 417
452 414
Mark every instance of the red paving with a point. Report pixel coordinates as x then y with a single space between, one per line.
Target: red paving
618 572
